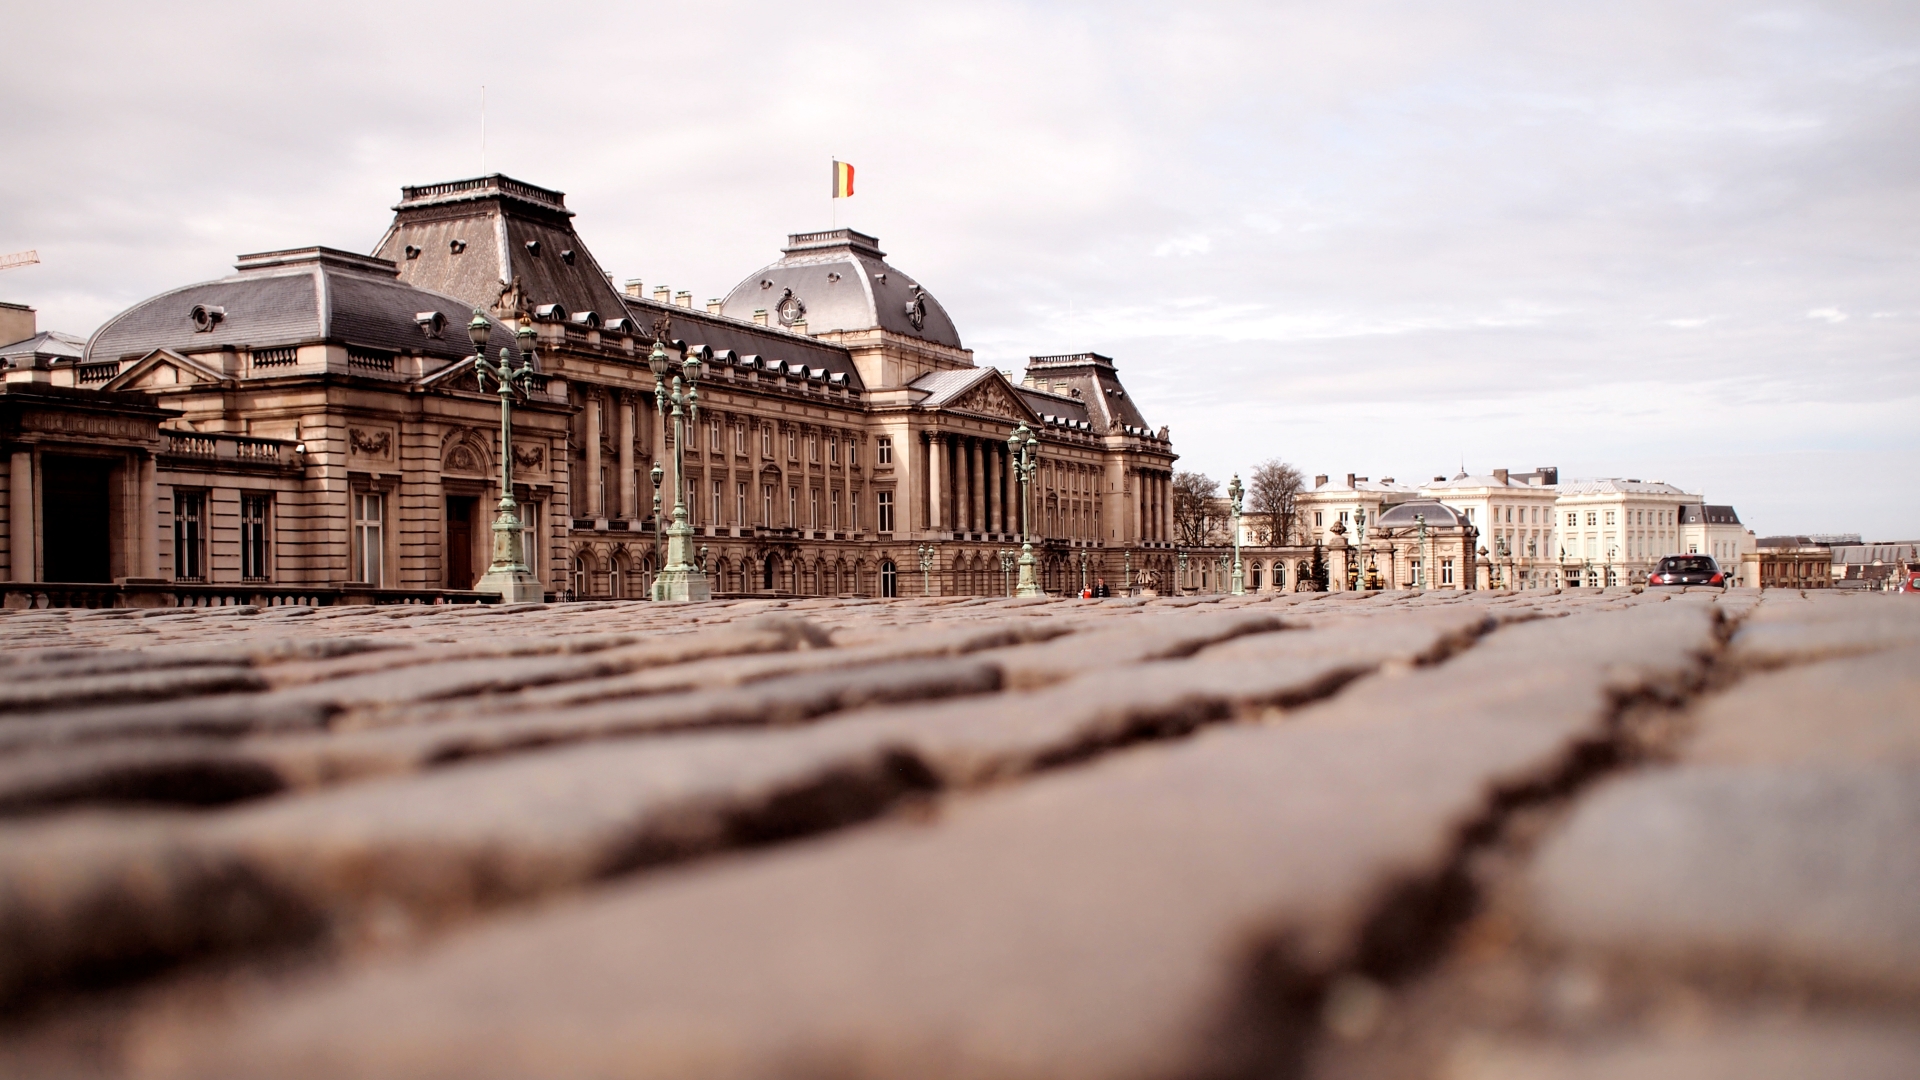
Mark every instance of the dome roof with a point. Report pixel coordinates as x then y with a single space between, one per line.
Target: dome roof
840 280
1437 516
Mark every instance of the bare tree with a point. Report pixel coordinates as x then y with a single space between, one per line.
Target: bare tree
1193 498
1273 501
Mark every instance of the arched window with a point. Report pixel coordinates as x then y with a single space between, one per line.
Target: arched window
1253 579
617 578
889 579
579 576
767 571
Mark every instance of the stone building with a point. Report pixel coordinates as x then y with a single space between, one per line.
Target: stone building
1788 562
1514 513
322 426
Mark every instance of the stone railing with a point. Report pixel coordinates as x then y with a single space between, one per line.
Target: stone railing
211 447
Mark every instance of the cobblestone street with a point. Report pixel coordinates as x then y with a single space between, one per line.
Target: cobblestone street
1601 833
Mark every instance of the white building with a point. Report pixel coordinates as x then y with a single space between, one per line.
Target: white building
1324 504
1613 531
1514 513
1706 529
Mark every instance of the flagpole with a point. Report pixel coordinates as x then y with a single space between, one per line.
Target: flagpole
833 203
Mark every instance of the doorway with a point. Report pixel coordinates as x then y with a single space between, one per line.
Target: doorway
461 511
76 519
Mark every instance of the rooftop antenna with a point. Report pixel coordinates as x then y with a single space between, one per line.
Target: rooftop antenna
483 129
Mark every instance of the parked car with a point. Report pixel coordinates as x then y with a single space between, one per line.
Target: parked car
1687 570
1910 581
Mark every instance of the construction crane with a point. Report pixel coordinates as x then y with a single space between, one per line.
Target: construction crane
19 259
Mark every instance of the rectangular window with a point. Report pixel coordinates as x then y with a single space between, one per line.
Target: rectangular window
1446 571
530 535
813 447
1343 516
1572 518
793 445
766 441
883 452
189 535
833 510
739 504
693 437
1593 518
766 508
813 508
833 450
793 507
1319 518
253 537
853 451
886 511
716 502
740 439
713 435
368 537
1610 515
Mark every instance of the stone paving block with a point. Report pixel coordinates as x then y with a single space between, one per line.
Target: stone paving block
1806 872
38 695
1863 710
1789 630
1765 1048
1150 914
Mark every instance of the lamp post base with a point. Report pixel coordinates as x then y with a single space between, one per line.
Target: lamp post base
1029 581
682 583
516 585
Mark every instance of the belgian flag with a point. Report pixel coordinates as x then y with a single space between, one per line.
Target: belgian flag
842 180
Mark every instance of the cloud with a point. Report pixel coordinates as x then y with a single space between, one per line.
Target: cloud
1362 237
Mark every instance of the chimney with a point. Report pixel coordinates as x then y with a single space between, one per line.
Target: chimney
760 316
1320 481
662 294
1549 474
800 326
713 306
1349 479
17 323
1500 477
683 298
634 288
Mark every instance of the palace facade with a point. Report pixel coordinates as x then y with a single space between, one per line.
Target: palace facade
313 421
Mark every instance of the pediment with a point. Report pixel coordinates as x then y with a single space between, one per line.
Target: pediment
992 396
163 369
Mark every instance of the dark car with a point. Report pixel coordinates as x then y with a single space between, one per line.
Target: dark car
1687 570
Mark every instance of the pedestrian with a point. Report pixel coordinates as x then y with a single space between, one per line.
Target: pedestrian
1100 589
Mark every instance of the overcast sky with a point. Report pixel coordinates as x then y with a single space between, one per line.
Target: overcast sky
1659 240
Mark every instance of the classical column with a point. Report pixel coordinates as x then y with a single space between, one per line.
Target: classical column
950 513
20 506
975 488
147 504
629 496
595 505
936 481
989 479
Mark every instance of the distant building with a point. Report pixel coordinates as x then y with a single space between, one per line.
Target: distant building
1514 513
1877 566
1789 562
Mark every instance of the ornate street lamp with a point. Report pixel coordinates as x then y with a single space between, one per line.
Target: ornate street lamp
681 578
659 532
1234 492
1420 579
508 574
1182 582
926 552
1083 571
1007 556
1023 451
1126 582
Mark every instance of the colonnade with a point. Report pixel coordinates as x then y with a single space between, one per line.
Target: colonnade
970 486
1155 493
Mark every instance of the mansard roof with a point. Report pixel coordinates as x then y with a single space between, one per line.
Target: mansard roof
295 297
496 243
840 280
1708 514
1105 403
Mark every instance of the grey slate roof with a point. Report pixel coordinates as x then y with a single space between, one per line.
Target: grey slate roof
1105 402
843 282
295 297
495 218
1708 515
50 346
1437 515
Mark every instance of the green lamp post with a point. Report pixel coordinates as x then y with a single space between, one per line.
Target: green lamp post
1007 557
681 578
1235 492
659 531
508 574
1023 451
926 552
1180 584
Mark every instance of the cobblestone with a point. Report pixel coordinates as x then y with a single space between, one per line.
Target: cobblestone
1599 833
